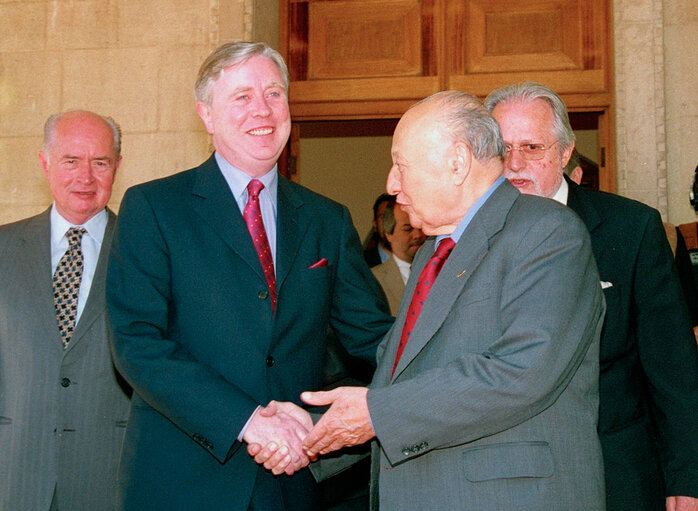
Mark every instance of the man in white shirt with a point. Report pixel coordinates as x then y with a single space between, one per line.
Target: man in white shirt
404 241
63 407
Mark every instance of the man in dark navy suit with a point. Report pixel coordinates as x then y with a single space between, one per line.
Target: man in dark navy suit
222 282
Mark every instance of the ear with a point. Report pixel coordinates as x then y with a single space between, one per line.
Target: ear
43 160
205 113
461 163
566 155
576 175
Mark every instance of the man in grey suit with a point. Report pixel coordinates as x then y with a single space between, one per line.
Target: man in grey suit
404 241
63 407
493 401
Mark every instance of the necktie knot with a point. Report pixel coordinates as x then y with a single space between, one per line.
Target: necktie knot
254 187
74 236
445 248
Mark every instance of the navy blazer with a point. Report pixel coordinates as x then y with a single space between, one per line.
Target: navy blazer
195 335
648 385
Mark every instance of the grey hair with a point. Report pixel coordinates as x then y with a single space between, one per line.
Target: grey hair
52 121
469 121
530 91
230 54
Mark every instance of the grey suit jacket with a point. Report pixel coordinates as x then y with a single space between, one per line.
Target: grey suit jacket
63 412
388 276
494 403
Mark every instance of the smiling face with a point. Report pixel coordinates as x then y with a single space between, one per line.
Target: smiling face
531 123
79 163
248 115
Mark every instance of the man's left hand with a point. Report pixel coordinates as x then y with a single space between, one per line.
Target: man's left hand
678 503
346 423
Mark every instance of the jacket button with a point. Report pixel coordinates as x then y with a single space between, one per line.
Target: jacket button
65 382
262 295
270 361
406 452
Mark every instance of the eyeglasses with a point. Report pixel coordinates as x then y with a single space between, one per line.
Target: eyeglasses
528 151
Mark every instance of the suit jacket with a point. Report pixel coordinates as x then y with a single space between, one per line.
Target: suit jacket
649 361
63 412
494 402
390 279
195 336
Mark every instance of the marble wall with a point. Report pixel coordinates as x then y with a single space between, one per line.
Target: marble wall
656 94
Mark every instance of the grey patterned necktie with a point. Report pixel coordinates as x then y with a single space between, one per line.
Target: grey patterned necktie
66 284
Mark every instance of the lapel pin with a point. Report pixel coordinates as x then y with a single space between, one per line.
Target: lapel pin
461 274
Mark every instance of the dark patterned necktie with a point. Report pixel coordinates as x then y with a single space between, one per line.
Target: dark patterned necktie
252 215
66 284
421 291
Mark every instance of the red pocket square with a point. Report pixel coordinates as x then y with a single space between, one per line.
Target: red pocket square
322 262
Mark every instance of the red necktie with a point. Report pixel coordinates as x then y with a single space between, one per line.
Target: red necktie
421 291
252 215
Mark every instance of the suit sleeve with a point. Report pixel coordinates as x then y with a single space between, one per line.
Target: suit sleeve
549 306
189 393
669 358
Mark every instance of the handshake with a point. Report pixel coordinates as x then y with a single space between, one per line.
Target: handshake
282 437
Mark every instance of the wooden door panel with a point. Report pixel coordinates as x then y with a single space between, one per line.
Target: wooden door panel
384 40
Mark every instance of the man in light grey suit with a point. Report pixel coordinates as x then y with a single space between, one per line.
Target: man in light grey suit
404 241
493 403
63 407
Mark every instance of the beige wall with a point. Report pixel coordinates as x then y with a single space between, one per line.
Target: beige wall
133 60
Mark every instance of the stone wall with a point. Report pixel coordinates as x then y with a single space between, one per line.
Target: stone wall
133 60
656 94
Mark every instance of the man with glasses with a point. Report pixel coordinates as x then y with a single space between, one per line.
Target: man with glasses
649 363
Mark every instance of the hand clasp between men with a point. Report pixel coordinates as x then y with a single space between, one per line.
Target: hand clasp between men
291 441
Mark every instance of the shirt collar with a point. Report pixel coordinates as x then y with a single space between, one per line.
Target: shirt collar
562 192
95 226
238 180
460 229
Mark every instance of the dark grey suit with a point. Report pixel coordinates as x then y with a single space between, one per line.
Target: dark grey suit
494 403
63 412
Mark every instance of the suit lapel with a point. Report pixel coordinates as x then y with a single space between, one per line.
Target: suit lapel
214 203
96 304
580 204
292 223
34 261
472 247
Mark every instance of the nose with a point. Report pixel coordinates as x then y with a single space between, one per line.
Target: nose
392 186
514 160
261 106
85 174
417 234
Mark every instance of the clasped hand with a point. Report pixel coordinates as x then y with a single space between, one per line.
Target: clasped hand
280 428
346 423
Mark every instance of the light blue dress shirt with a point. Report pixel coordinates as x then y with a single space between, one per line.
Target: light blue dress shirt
237 182
463 224
91 245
